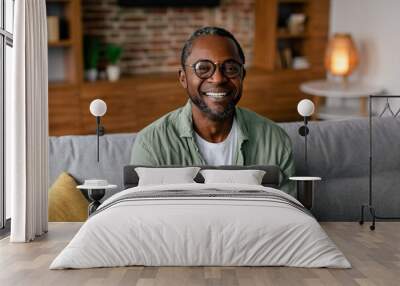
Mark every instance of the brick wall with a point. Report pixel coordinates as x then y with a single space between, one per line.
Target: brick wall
152 38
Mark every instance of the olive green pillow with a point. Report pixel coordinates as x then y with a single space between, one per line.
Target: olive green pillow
66 202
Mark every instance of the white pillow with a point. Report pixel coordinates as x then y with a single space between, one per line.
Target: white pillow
248 177
163 176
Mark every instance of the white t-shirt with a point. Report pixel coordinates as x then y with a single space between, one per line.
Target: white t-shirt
222 153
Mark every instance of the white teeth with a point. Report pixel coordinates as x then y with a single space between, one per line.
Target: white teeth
216 94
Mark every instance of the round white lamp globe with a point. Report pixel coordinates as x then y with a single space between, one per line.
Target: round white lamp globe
305 107
98 107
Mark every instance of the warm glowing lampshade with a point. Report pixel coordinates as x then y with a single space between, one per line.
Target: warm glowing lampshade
341 55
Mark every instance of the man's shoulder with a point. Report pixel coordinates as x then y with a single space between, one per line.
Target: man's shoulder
166 124
262 130
255 121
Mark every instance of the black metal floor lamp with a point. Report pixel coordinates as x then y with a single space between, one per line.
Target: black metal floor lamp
370 205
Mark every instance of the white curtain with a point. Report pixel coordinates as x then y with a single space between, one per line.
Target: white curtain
27 123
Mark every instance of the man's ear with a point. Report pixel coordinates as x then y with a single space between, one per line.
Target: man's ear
182 78
244 73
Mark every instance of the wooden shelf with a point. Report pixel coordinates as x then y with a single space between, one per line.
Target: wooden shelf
274 45
287 35
58 1
293 1
61 85
61 43
65 54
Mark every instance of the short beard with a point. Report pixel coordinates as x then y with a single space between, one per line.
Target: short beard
214 116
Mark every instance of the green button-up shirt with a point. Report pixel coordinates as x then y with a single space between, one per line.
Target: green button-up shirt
170 141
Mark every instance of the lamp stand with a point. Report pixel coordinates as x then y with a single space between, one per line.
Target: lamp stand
303 131
99 132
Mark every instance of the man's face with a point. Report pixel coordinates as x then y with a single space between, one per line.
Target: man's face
217 95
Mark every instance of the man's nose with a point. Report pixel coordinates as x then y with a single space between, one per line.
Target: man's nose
218 76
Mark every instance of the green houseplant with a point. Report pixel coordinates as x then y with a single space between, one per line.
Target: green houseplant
91 56
113 54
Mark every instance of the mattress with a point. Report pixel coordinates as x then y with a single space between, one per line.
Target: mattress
201 225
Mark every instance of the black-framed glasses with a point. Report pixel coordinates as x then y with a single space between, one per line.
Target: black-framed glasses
204 69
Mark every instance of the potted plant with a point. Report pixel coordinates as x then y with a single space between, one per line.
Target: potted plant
92 55
113 54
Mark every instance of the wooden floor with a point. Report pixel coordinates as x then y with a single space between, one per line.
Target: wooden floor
375 256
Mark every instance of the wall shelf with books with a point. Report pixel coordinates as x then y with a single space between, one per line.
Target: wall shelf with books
290 34
64 41
291 31
65 63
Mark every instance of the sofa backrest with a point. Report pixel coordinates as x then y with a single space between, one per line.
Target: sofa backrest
335 149
340 148
338 151
77 156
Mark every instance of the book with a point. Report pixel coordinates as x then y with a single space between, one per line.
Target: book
287 57
53 28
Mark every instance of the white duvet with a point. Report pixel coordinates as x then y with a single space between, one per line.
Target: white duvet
183 231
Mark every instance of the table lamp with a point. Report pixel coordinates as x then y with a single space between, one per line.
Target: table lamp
98 108
305 108
341 57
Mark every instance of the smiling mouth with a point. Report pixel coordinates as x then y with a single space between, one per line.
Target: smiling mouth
217 95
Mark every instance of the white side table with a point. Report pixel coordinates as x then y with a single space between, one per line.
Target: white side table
321 89
95 194
305 189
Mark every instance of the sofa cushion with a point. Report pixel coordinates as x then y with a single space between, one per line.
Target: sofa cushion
66 202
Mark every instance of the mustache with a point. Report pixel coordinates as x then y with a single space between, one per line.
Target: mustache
216 88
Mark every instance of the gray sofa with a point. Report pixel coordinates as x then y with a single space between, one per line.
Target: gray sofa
338 152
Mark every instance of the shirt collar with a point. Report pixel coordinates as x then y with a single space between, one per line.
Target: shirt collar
243 132
186 123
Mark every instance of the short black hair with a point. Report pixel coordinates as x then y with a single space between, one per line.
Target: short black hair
205 31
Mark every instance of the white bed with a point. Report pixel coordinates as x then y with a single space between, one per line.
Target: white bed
222 225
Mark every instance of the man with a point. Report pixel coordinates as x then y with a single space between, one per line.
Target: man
210 129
